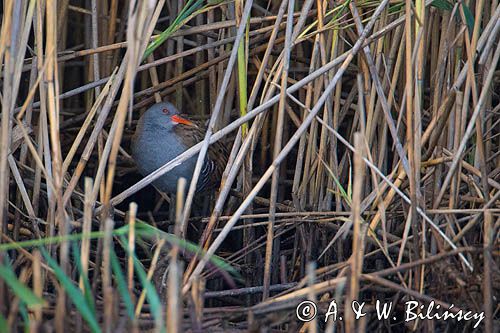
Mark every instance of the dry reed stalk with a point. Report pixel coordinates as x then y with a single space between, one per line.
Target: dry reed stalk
142 297
175 268
5 42
358 231
131 254
87 227
285 150
488 263
38 289
235 124
395 189
215 114
421 94
277 148
107 288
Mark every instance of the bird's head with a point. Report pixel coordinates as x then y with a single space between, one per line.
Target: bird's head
166 115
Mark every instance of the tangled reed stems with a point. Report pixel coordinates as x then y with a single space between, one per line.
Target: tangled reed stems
364 165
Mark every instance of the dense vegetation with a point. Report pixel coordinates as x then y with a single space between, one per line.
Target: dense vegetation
364 165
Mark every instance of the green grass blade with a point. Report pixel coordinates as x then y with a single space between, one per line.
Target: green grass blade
342 191
122 286
4 325
145 229
75 295
446 5
142 230
24 293
58 239
442 4
25 316
151 294
469 18
88 289
177 23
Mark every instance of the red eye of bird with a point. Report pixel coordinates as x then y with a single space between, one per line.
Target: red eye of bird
165 111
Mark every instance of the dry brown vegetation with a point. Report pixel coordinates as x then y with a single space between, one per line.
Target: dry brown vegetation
365 164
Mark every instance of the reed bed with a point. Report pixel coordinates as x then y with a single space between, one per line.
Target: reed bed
364 165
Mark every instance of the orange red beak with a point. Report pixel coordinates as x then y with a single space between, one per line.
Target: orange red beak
179 120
